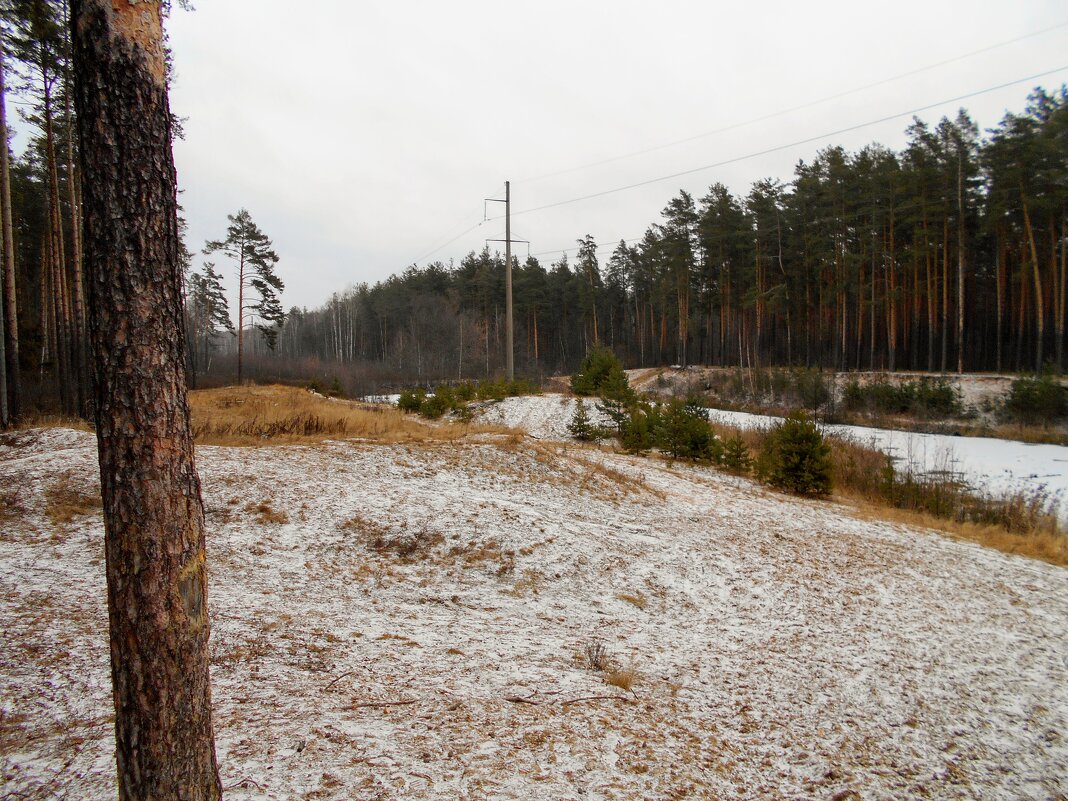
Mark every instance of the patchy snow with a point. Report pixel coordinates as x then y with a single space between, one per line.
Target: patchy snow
416 630
542 416
387 399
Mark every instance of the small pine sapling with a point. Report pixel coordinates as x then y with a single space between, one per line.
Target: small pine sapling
581 427
736 456
794 457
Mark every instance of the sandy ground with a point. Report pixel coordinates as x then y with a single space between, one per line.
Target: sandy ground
417 622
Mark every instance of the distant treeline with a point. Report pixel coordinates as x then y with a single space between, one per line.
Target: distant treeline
948 255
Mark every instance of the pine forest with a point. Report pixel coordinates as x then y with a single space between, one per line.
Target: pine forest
948 255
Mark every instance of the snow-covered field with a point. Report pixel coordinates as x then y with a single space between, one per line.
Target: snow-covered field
413 622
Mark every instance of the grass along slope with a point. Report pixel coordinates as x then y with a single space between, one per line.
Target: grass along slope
424 620
258 415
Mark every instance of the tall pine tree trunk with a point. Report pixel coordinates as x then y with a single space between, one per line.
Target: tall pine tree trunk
153 512
960 262
80 343
945 291
241 315
10 301
1061 296
999 266
1039 316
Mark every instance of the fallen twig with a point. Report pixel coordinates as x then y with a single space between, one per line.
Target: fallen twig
518 699
243 781
622 698
382 703
339 678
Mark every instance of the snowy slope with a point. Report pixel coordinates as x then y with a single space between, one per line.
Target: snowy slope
996 466
416 630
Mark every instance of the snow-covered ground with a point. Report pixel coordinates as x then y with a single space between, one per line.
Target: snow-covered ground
417 629
542 416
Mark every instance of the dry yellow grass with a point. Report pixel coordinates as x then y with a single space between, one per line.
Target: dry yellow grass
637 600
623 678
36 420
64 501
265 513
272 415
1044 545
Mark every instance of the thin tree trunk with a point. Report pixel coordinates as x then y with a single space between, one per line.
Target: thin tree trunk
1039 316
46 322
70 393
10 300
80 344
1061 297
960 262
153 512
945 291
999 267
241 313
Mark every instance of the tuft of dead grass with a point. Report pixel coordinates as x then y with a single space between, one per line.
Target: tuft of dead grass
271 415
12 509
265 513
402 544
637 600
65 501
623 678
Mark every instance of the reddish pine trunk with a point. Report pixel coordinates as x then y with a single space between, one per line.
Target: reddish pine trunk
153 513
11 328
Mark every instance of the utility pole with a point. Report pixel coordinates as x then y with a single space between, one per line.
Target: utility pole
508 326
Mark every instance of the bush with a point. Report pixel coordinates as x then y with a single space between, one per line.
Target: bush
411 399
434 406
1037 400
492 390
598 369
794 457
683 430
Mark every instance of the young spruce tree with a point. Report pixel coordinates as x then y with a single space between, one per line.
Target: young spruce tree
258 286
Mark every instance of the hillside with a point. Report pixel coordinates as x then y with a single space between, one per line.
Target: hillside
441 621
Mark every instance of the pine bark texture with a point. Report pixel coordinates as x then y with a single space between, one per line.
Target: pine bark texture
153 513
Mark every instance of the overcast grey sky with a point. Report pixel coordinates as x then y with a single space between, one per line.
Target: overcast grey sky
361 136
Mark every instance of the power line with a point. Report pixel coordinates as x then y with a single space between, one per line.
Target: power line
795 143
463 233
446 244
792 109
